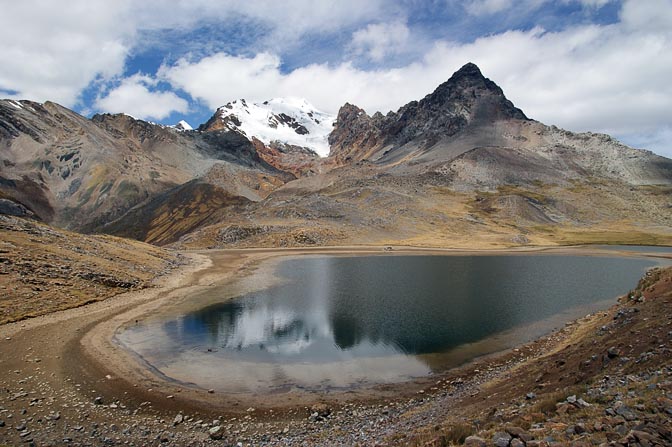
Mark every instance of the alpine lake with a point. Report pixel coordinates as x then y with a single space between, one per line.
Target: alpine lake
337 323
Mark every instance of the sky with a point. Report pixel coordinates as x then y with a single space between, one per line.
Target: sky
583 65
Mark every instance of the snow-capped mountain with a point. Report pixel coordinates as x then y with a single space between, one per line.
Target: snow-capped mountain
183 125
292 121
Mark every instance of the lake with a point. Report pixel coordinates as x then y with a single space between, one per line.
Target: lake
343 322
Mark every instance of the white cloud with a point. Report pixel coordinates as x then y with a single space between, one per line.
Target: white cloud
134 97
53 51
379 40
486 7
221 78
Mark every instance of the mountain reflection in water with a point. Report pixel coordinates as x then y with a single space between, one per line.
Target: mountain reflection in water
346 322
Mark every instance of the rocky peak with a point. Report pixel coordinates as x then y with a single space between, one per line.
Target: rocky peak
467 98
466 90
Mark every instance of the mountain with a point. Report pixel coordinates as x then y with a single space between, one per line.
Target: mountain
468 120
82 174
467 99
461 167
288 121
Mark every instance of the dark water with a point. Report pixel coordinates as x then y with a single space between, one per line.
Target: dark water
638 248
344 321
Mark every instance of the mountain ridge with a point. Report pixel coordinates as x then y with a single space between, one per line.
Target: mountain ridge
461 163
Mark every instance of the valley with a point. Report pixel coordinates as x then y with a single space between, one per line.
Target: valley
106 222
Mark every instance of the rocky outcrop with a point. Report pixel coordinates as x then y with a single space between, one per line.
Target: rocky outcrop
11 208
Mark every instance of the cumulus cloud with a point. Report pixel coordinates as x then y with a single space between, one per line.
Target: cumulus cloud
133 96
43 58
378 40
53 50
220 78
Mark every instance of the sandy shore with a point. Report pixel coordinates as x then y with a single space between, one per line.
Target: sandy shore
72 353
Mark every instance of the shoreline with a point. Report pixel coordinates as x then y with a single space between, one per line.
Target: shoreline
78 349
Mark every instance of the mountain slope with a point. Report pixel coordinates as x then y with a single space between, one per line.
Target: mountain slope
45 269
82 174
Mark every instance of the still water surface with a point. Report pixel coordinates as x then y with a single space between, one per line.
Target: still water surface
343 322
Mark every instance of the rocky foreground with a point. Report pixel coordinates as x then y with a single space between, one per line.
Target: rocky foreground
605 379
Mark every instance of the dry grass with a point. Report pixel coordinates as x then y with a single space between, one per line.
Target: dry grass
43 270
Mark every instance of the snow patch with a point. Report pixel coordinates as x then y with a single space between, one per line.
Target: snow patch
291 121
182 126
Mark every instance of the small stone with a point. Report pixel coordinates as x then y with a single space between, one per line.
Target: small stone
501 439
321 409
530 396
582 403
2 424
643 437
285 430
626 412
216 433
571 399
613 352
474 441
516 443
518 432
98 400
178 419
211 391
21 426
